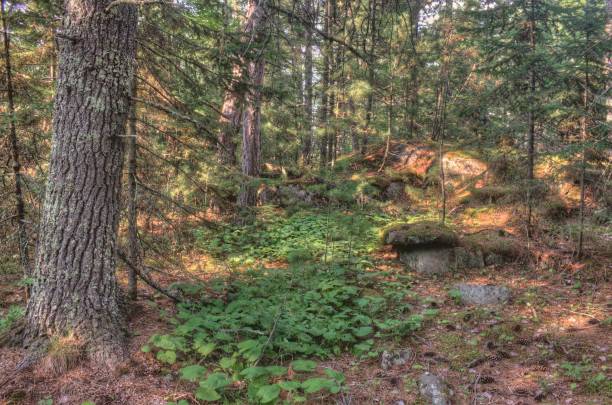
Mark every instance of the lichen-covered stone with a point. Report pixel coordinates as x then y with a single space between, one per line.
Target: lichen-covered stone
477 294
434 390
429 261
397 358
441 260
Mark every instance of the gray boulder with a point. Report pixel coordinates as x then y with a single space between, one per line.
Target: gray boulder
476 294
441 260
434 389
429 261
395 192
468 259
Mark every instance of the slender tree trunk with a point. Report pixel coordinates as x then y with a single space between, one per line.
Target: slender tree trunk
75 290
608 64
132 208
352 129
584 135
325 82
531 121
251 131
22 235
299 110
232 111
371 74
415 13
230 121
308 88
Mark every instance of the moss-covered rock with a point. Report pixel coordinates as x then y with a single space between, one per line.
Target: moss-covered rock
497 246
419 235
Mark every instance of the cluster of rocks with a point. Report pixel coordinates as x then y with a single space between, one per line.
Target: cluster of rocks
430 248
288 195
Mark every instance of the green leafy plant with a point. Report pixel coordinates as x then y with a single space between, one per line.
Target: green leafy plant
237 347
13 314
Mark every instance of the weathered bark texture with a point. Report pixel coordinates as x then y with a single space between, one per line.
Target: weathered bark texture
22 234
75 290
251 131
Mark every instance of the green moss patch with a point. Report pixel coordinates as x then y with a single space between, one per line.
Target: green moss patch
497 242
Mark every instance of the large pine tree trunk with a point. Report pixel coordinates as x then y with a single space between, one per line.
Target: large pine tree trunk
251 131
75 290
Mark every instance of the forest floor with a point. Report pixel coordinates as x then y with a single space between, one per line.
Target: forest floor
546 346
549 344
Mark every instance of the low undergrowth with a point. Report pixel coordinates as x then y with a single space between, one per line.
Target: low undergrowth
258 339
325 234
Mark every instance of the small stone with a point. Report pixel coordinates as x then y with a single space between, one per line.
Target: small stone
477 294
434 389
400 402
393 359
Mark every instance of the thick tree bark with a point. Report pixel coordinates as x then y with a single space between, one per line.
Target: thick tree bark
75 290
251 131
22 235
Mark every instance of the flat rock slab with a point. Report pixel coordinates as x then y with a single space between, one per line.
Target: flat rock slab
433 389
477 294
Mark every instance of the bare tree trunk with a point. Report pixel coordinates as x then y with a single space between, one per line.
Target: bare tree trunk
584 135
75 290
371 74
22 235
251 131
608 64
230 121
133 250
415 13
308 88
231 111
352 129
531 122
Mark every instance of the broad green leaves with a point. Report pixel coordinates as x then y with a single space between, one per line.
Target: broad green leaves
303 365
193 372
